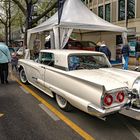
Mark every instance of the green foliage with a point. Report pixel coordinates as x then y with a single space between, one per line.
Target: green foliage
20 12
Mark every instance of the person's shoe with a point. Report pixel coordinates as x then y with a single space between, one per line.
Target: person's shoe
2 82
6 82
136 68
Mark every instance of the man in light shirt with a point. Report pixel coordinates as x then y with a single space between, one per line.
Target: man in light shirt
5 58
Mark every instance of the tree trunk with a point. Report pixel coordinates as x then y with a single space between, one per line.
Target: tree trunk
9 19
6 34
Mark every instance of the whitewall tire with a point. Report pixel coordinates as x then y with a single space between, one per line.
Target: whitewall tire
63 103
23 77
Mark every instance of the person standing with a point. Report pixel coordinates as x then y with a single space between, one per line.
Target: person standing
36 47
14 61
5 58
137 50
47 44
125 55
104 49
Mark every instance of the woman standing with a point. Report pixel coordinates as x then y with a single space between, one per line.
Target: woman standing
5 58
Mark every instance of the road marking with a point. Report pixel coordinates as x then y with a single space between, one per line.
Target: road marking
23 89
135 132
52 115
1 114
71 124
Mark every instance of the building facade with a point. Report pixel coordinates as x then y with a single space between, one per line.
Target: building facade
125 13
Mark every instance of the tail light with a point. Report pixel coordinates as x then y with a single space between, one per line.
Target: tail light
108 99
120 96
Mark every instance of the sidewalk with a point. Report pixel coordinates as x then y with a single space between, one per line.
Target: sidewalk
130 67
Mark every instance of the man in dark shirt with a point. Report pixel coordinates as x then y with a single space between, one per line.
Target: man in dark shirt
104 49
137 50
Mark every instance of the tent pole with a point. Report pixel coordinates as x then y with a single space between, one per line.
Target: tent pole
59 37
60 10
80 35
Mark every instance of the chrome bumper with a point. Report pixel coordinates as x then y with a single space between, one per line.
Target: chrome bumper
98 112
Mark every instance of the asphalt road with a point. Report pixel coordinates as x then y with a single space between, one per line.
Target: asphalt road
25 116
22 118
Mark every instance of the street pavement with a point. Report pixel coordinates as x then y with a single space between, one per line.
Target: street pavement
22 118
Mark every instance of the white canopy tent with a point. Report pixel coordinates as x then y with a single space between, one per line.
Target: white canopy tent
76 17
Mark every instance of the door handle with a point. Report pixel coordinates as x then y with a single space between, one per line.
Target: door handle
34 78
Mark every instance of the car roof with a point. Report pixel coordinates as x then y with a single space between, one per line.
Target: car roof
61 55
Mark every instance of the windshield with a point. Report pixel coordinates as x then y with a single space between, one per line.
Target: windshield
87 61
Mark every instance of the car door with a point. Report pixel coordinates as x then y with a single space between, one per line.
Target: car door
36 71
35 74
46 59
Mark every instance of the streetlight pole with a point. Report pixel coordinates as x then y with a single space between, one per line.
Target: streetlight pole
126 13
29 12
9 19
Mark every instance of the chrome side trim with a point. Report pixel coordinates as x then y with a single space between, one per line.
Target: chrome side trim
136 110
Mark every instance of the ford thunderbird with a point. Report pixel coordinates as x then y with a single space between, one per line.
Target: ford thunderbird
83 79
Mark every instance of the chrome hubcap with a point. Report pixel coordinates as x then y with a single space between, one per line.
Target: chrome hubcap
61 101
23 76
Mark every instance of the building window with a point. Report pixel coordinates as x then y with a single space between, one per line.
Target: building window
107 12
121 10
100 11
131 9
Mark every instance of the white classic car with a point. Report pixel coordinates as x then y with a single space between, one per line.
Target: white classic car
83 79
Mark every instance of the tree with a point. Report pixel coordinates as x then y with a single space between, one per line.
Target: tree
26 7
4 19
10 17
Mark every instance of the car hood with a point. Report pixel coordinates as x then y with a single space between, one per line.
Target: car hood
110 78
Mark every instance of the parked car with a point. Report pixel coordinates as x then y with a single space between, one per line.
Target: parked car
20 51
83 79
81 45
16 48
12 50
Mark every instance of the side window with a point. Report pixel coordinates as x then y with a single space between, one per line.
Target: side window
74 62
46 58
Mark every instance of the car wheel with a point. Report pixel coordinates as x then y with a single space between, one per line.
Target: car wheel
22 76
63 103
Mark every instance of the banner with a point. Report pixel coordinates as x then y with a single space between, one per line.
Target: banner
60 9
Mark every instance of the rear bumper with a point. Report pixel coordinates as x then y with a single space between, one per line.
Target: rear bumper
98 112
